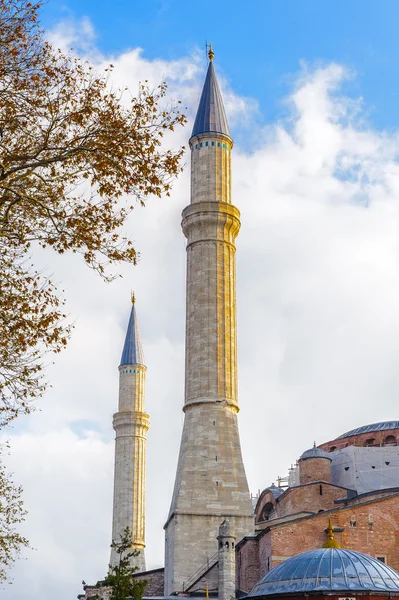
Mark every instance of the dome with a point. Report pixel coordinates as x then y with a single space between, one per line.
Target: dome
314 453
382 426
328 570
274 490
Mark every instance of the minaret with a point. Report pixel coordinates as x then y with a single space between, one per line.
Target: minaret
131 424
210 483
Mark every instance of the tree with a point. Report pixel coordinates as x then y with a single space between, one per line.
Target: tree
11 513
75 157
120 577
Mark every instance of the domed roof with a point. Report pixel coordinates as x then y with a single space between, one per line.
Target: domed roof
314 453
328 570
274 490
382 426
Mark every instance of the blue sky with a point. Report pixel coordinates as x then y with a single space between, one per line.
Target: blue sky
259 43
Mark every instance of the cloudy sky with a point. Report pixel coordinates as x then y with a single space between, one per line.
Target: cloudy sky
316 178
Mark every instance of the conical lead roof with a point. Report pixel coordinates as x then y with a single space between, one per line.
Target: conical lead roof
132 350
211 115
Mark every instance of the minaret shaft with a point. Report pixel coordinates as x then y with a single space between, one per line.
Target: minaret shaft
211 334
210 482
131 424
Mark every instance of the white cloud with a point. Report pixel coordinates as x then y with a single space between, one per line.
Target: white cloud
76 34
318 291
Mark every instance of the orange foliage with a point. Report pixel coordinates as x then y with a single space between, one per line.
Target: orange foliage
71 152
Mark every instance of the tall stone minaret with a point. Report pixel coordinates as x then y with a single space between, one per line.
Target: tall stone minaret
210 484
131 424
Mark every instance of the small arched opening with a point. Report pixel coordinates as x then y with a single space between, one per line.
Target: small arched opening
369 442
266 511
390 440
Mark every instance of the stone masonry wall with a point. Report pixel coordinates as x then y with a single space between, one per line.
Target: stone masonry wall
130 424
210 484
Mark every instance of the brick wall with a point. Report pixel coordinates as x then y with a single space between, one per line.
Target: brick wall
372 438
312 497
247 566
314 469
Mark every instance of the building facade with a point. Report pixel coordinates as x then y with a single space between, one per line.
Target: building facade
293 519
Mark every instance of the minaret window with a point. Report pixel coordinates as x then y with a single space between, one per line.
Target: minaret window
206 143
213 143
390 439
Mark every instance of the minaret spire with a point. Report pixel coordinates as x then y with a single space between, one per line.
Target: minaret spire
210 483
131 423
211 116
132 353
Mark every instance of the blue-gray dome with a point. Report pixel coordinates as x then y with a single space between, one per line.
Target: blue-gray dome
274 490
328 570
382 426
314 453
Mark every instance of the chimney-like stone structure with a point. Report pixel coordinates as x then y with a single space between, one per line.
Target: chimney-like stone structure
210 483
131 423
227 562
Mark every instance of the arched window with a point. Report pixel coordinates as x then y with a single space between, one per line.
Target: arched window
332 448
369 442
390 440
266 511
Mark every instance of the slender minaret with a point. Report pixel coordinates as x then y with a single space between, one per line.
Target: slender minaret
131 424
210 484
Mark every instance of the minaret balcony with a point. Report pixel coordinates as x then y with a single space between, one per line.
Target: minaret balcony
211 221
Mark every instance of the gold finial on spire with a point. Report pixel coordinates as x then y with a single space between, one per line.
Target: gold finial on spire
211 53
133 298
330 541
206 591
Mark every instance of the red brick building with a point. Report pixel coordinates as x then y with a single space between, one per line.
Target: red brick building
385 433
294 520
